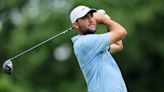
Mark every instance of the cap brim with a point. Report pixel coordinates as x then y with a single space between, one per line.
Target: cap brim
91 11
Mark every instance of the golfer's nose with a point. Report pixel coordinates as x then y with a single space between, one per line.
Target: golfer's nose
91 19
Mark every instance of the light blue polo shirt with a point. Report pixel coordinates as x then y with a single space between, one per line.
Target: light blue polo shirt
99 68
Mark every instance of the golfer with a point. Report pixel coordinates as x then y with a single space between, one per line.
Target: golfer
93 51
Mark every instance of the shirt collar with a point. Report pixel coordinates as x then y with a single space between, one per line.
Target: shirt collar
75 38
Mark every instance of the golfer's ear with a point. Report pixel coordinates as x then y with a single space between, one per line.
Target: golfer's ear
75 24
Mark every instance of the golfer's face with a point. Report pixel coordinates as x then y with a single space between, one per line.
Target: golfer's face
87 24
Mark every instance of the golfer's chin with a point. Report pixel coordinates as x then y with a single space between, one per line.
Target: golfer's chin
92 27
89 31
93 31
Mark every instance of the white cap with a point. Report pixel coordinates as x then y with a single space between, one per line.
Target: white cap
79 12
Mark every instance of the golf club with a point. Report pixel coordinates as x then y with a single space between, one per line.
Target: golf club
8 66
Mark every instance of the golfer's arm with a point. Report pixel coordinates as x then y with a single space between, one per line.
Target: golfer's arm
116 47
117 34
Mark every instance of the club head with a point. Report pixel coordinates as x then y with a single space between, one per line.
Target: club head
8 67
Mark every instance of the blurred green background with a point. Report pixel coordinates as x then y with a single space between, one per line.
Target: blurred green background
53 67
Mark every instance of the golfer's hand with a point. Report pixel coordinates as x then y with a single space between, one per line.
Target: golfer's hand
100 16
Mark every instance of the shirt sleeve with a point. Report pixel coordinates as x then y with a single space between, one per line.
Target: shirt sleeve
96 43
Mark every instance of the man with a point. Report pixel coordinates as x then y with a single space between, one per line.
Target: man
93 51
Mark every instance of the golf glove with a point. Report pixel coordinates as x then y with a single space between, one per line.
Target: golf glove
104 13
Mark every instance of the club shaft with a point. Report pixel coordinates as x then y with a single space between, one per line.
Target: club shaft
42 43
